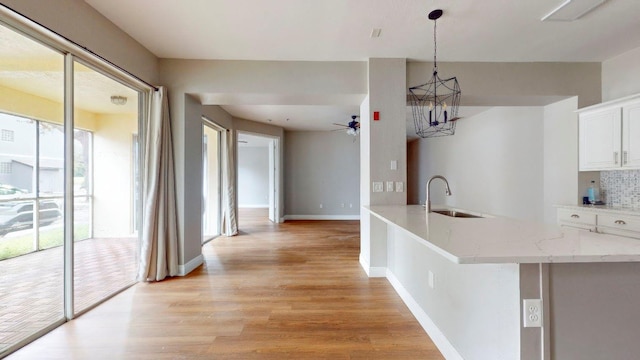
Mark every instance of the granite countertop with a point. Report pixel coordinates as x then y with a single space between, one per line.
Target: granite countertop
602 209
495 239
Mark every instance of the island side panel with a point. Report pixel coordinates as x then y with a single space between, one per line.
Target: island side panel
373 244
475 307
595 311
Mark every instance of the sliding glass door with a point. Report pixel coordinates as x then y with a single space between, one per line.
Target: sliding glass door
68 187
31 188
211 179
105 122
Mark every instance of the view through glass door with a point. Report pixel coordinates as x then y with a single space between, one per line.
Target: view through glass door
34 201
211 180
104 233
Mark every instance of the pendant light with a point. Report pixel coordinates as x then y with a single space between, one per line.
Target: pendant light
434 104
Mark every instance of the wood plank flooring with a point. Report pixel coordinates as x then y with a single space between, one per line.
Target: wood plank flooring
276 291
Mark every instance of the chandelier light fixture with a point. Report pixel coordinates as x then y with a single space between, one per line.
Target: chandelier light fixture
434 104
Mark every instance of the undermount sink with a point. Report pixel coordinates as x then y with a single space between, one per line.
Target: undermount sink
454 213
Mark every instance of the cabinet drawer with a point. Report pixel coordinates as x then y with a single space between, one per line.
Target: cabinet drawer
628 223
591 228
576 216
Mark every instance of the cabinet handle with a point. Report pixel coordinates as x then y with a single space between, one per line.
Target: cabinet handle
615 157
620 222
575 216
624 157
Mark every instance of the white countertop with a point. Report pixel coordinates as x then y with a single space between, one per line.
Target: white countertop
602 209
495 239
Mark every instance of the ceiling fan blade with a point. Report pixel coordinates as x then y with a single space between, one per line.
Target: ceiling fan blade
343 125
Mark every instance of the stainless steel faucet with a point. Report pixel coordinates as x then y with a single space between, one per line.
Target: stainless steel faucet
447 191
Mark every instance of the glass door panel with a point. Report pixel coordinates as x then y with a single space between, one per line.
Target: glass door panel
31 99
105 241
210 182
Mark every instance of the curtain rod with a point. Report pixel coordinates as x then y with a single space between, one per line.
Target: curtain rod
33 28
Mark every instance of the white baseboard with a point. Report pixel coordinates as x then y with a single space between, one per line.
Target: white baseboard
322 217
254 206
372 271
443 344
190 266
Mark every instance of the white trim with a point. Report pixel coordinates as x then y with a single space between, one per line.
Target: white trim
438 338
254 206
372 271
322 217
185 269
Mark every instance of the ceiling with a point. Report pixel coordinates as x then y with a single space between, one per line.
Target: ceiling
32 68
339 30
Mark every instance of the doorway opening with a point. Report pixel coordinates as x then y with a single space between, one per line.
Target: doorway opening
258 180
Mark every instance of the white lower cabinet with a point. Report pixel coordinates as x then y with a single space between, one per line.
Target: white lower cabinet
577 219
604 222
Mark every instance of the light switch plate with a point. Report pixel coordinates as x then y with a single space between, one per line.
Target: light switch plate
394 164
377 186
389 186
399 186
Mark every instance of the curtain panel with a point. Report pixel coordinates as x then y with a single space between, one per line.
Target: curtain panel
159 243
229 195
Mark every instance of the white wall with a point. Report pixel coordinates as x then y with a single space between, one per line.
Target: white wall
560 150
621 75
480 324
494 163
112 175
322 168
253 176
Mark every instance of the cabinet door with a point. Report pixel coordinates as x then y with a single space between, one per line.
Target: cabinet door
631 136
600 139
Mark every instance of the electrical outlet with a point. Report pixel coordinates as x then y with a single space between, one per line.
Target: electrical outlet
321 206
532 312
389 186
394 164
377 186
350 205
399 186
342 205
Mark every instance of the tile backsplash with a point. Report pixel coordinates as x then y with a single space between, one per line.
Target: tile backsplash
621 188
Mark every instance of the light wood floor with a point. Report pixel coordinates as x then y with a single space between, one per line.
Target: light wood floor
287 291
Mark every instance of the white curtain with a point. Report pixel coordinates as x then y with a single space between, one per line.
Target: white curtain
229 199
159 243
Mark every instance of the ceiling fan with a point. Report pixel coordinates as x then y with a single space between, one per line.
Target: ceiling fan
353 127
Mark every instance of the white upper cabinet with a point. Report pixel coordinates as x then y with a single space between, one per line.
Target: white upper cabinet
600 139
609 135
631 136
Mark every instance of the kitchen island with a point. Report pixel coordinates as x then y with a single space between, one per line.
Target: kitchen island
465 280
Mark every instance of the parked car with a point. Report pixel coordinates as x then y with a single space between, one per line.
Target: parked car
18 215
11 192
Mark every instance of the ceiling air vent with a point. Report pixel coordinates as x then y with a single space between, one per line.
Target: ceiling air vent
571 10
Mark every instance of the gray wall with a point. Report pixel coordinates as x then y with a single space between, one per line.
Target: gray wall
594 312
621 75
322 168
253 176
517 84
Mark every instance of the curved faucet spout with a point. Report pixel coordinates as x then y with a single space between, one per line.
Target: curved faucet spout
447 190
